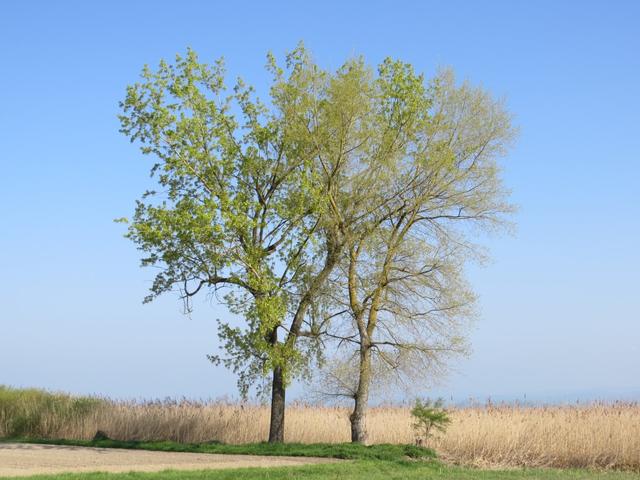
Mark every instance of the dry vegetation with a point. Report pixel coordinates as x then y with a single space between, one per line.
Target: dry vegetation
595 435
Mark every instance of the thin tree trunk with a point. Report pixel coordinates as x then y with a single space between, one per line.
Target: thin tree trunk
278 389
359 432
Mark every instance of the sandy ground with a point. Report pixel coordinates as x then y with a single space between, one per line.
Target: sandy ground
21 459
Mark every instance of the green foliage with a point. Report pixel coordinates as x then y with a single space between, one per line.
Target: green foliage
429 416
258 202
38 413
235 203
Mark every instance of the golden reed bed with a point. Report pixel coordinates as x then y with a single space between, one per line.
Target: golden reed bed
595 435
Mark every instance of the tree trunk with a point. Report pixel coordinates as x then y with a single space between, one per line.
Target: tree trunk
278 389
276 429
361 398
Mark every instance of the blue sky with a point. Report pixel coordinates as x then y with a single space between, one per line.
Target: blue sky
559 302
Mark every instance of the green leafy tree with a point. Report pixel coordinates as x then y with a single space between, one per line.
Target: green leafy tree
259 203
252 203
237 203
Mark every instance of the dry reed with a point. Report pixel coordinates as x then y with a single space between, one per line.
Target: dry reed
597 435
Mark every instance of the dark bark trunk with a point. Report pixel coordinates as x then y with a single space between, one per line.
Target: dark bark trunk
276 429
278 389
358 416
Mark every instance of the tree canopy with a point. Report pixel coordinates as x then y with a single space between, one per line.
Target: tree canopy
327 209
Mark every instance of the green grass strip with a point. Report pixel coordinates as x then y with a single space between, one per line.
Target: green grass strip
325 450
355 470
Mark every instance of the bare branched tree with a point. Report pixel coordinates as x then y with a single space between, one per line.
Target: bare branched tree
397 306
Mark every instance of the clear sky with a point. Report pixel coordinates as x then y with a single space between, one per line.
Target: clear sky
560 302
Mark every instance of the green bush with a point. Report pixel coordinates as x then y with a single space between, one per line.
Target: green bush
38 413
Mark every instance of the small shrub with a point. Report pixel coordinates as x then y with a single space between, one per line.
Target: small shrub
429 416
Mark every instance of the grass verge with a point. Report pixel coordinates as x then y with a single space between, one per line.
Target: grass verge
355 470
375 462
348 451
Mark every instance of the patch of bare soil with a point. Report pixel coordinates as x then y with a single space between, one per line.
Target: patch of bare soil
22 459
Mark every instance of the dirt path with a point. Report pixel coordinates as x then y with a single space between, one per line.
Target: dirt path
22 459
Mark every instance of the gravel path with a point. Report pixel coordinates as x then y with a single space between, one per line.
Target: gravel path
22 459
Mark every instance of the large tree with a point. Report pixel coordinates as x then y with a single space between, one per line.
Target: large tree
237 205
258 203
399 301
252 201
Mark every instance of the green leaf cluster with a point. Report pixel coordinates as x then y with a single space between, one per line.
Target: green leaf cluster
257 203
